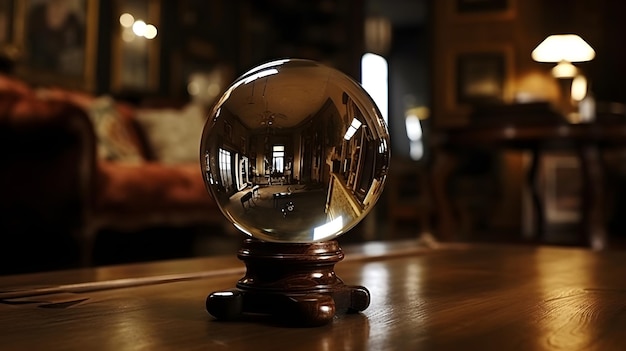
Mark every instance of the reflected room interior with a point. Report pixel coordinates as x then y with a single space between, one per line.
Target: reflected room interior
295 150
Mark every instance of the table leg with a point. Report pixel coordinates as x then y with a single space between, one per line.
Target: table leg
445 163
593 197
537 205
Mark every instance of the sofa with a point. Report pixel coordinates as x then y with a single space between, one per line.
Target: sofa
75 164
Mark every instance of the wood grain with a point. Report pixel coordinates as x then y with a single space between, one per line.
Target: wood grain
449 298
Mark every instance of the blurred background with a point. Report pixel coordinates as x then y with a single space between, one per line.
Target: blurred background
102 102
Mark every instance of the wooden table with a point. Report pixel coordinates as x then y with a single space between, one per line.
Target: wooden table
536 133
452 297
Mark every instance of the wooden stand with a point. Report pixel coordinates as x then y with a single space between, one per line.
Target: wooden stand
294 283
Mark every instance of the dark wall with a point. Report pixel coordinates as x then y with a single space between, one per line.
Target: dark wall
409 82
609 71
199 35
602 24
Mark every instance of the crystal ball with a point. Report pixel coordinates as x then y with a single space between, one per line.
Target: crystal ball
295 151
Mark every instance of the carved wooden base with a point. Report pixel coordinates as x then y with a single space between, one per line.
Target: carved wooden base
294 283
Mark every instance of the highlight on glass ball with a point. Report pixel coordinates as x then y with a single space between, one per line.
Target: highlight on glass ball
295 151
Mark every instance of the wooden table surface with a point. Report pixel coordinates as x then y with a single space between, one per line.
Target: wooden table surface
453 297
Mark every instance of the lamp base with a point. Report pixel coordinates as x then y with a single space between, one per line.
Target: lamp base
294 283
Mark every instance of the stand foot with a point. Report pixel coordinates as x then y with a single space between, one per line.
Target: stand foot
294 283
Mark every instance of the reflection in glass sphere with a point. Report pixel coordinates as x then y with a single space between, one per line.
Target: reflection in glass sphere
295 151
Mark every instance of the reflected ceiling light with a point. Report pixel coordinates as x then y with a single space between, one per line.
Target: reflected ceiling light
260 74
266 65
324 230
354 126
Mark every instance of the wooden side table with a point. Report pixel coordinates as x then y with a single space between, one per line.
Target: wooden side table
586 141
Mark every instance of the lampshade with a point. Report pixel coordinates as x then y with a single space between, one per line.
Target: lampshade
563 47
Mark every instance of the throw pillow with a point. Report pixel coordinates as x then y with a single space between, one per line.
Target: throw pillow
116 140
174 135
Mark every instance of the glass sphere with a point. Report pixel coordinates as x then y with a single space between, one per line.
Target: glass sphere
295 151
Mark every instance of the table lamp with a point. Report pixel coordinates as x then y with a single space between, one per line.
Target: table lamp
320 126
564 49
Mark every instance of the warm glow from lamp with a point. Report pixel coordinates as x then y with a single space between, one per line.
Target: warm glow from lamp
139 28
414 132
579 88
150 31
564 49
127 20
564 69
136 28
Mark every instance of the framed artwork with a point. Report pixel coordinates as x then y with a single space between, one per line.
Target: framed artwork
228 131
58 41
476 74
475 6
480 77
481 10
136 45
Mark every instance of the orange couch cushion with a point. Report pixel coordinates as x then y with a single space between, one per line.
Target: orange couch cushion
151 186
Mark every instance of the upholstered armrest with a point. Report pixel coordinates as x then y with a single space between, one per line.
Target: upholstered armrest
47 152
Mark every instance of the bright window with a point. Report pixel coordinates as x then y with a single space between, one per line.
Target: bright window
226 173
374 78
278 158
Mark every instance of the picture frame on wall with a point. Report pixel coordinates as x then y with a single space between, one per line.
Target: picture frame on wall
135 57
481 10
476 75
228 131
480 6
480 78
58 42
